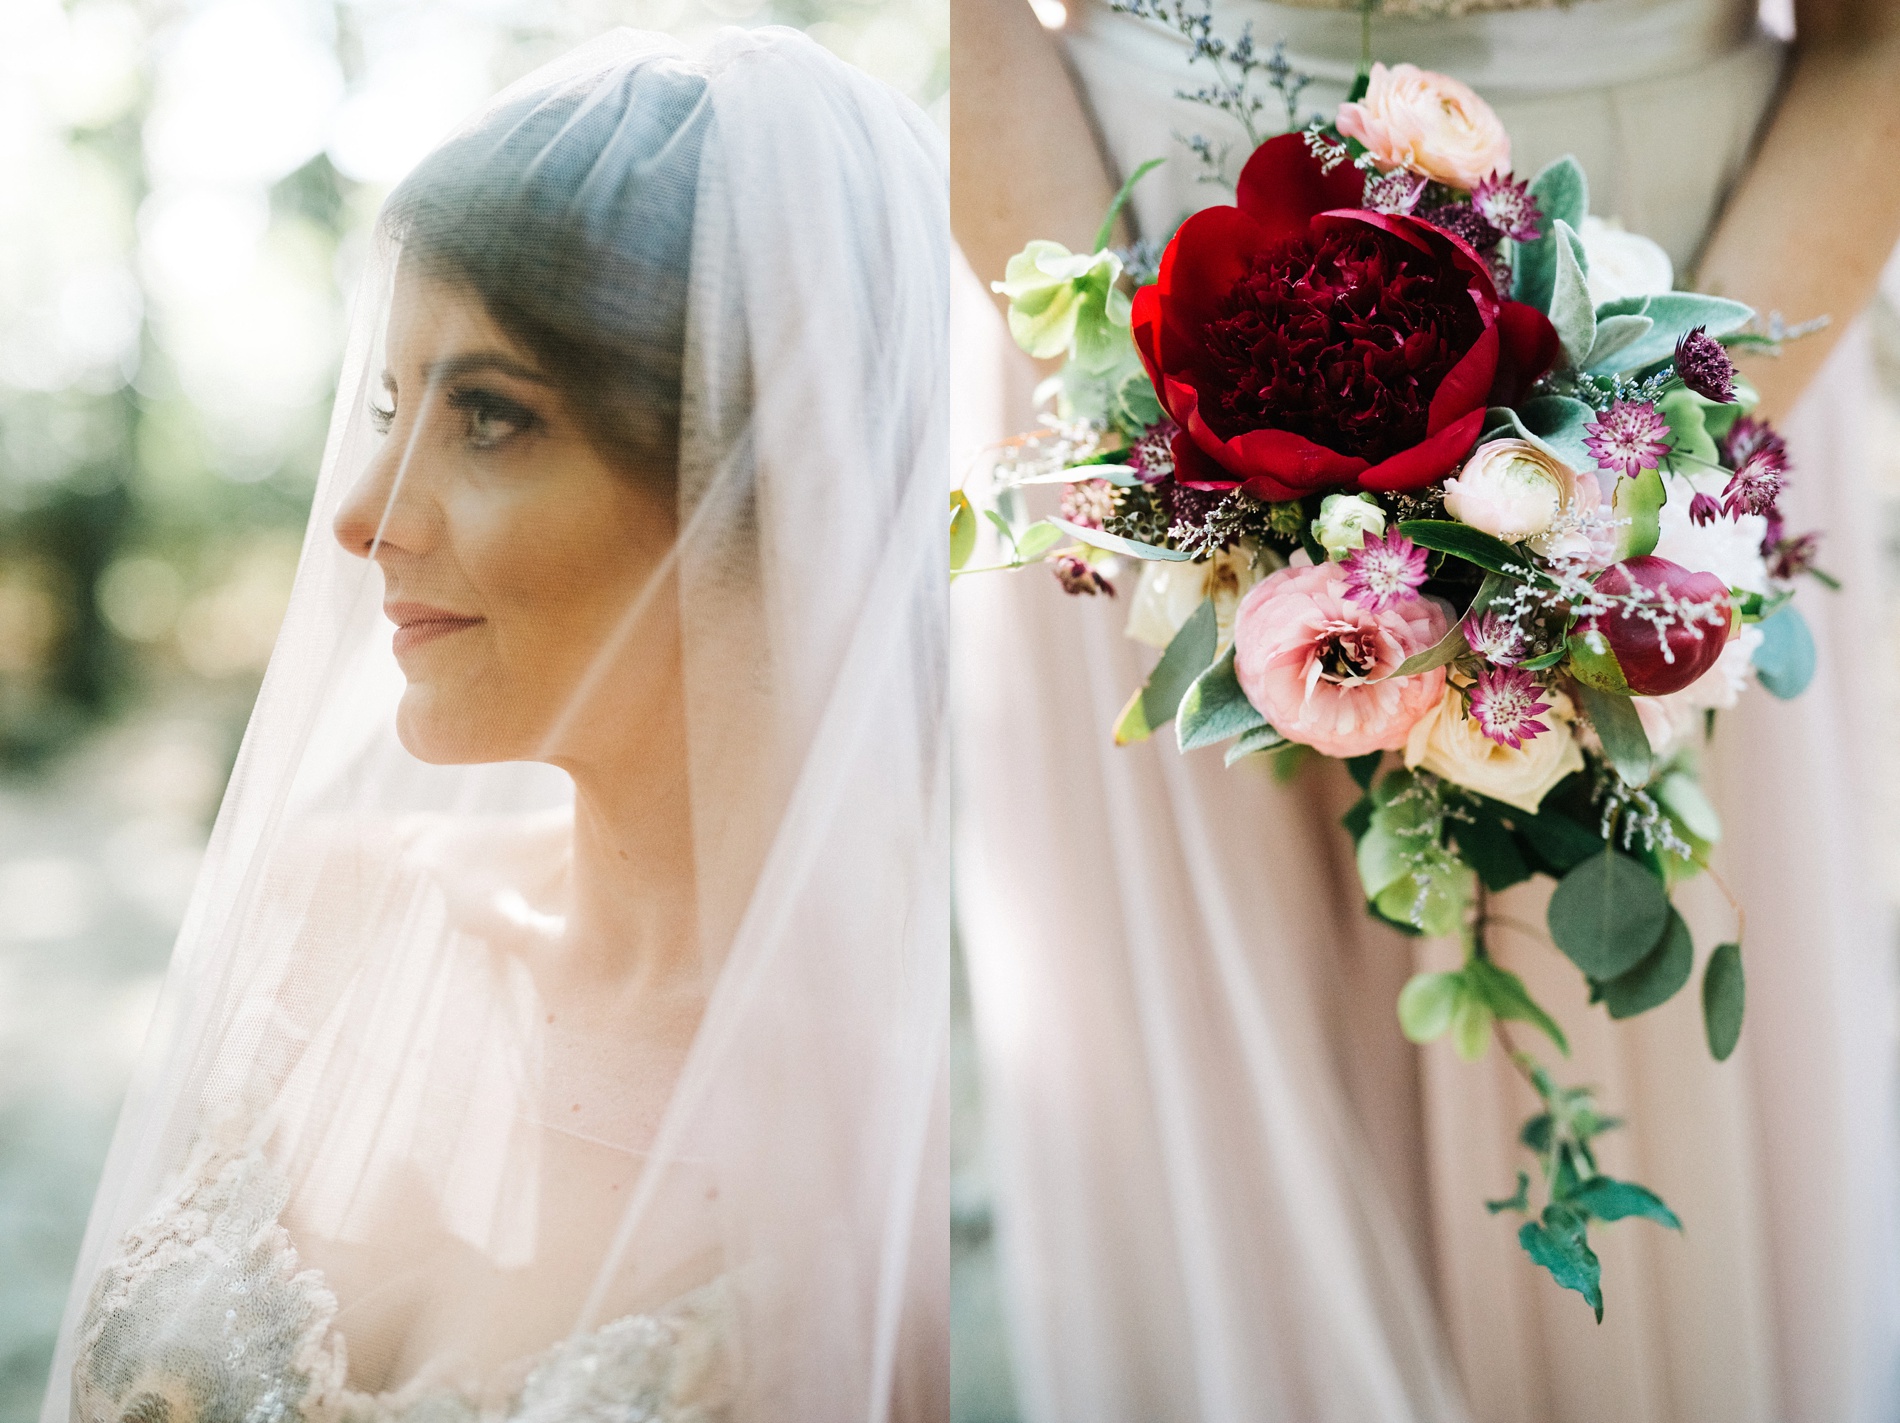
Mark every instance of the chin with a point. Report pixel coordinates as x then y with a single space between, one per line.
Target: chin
444 736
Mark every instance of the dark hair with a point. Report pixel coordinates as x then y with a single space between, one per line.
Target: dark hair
570 214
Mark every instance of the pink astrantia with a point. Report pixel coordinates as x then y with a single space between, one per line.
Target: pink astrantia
1629 438
1495 639
1382 571
1748 435
1756 487
1704 509
1505 703
1396 192
1508 206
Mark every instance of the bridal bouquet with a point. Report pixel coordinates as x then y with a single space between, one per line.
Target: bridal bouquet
1425 469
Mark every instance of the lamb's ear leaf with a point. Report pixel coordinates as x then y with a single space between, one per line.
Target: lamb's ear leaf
1214 707
1571 311
1563 195
1615 334
1187 656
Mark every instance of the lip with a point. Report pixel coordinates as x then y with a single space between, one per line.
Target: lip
417 623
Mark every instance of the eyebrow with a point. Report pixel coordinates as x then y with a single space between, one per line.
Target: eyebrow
449 367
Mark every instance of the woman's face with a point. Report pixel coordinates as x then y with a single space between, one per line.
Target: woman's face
513 555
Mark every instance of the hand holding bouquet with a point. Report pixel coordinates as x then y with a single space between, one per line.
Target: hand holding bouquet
1409 487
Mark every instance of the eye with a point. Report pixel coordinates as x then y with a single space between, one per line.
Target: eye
381 419
492 419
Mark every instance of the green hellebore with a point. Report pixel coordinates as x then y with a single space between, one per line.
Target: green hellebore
1065 303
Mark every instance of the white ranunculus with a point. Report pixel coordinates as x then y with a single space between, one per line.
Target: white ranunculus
1448 743
1728 548
1623 263
1345 521
1168 593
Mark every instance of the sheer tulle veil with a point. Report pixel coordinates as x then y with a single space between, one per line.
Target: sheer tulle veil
762 230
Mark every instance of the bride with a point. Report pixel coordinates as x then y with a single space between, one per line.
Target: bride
558 1030
1227 1188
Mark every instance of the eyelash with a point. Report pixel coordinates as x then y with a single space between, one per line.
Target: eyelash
481 407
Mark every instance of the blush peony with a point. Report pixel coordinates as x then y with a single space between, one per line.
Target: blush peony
1302 343
1319 666
1428 123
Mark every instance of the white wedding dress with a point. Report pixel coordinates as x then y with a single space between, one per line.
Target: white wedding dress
1227 1189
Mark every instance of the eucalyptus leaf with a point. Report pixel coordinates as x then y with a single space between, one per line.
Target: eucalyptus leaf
1187 656
1614 335
1120 475
1490 850
1463 541
1571 310
1132 725
1520 1200
962 529
1607 914
1036 540
1115 543
1559 1245
1785 660
1620 729
1261 738
1214 707
1427 1003
1558 840
1657 977
1724 994
1505 995
1558 422
1610 1199
1674 315
1563 194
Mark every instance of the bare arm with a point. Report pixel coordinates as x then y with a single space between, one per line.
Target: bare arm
1813 220
1023 158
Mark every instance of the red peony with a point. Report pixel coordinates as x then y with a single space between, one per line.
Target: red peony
1302 342
1668 628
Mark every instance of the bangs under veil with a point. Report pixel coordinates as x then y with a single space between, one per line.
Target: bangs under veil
733 266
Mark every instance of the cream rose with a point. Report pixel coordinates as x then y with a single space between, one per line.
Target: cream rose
1448 743
1512 490
1428 123
1622 263
1169 593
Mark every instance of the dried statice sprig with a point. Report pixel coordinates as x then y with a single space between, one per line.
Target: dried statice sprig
1243 76
1141 260
1631 813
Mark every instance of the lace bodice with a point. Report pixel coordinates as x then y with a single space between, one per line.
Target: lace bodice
206 1315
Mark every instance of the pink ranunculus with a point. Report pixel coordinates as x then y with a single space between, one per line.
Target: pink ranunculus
1318 665
1428 123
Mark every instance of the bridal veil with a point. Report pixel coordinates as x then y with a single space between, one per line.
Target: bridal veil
738 257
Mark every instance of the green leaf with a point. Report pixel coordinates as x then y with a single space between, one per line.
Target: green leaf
1545 660
1261 738
1656 977
1640 501
1689 437
1536 1133
1609 1199
1785 660
1187 656
1115 543
1558 422
1518 1201
1615 334
1505 995
1036 540
1363 768
1682 797
1563 194
1463 541
1427 1004
1607 914
962 529
1471 1026
1558 840
1489 848
1107 229
1214 708
1723 996
1358 820
1675 314
1625 742
1571 310
1132 725
1559 1245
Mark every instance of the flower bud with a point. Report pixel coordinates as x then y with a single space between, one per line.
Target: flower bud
1667 626
1345 521
1511 489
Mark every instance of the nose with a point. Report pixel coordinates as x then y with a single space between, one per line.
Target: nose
387 510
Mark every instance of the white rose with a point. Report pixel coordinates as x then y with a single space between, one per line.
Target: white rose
1728 548
1511 490
1344 522
1448 743
1623 263
1169 593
